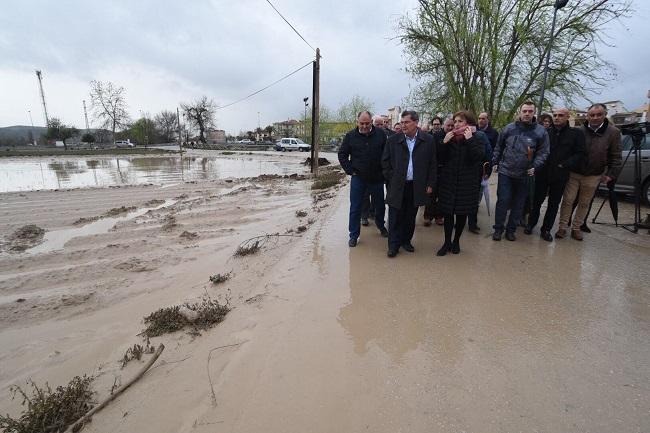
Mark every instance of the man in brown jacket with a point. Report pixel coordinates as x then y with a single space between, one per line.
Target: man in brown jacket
603 142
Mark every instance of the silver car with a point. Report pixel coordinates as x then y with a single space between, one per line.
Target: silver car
625 181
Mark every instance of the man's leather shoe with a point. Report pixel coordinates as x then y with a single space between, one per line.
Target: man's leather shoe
443 250
408 247
352 243
577 235
528 230
560 234
546 235
496 236
511 236
427 223
455 247
392 253
584 228
475 230
383 232
364 222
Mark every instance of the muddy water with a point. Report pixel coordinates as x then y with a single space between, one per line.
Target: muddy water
30 174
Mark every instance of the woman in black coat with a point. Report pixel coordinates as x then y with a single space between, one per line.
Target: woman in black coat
461 153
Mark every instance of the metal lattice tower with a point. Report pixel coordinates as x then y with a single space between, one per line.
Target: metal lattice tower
86 116
40 86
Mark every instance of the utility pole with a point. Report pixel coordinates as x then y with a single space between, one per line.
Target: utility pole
559 4
86 116
180 138
40 86
32 122
315 114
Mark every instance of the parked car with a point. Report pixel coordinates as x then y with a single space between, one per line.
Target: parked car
245 141
124 143
625 180
292 143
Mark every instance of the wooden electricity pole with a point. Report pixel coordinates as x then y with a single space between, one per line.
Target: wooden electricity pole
315 110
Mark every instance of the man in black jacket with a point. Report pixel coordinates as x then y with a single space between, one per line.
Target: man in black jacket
567 152
360 156
487 129
409 165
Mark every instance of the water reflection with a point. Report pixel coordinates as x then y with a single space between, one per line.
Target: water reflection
35 173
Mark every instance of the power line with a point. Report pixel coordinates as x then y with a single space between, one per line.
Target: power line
272 84
294 29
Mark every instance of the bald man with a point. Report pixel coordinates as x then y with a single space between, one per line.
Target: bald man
567 152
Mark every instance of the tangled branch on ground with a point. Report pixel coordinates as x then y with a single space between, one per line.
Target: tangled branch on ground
328 179
255 244
50 411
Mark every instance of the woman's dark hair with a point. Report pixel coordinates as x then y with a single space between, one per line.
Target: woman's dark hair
545 116
467 116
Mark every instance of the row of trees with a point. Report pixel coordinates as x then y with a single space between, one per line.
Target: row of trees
490 54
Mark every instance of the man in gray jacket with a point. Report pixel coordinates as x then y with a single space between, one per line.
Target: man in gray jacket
523 146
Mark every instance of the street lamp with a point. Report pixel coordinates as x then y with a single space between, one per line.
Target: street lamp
304 119
559 4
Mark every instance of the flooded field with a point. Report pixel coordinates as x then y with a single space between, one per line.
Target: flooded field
31 174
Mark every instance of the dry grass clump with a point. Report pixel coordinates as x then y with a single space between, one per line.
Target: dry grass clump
219 278
50 411
199 316
301 213
119 211
328 180
136 352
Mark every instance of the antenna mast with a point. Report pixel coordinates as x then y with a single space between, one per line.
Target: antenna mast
40 86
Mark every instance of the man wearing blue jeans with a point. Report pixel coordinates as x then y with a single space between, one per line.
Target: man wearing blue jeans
360 157
522 147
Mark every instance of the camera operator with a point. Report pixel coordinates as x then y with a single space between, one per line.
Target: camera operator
603 142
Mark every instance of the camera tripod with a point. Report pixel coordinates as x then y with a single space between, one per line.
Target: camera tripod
637 134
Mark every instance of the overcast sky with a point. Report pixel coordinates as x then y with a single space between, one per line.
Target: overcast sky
166 52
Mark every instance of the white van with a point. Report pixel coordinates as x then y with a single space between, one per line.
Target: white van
292 143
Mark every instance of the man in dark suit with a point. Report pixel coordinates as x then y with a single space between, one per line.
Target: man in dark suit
409 166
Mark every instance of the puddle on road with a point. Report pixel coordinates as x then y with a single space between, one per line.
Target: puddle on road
56 240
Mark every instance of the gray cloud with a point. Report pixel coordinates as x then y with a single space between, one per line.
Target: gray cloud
167 52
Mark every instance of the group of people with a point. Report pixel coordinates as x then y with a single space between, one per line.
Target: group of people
442 170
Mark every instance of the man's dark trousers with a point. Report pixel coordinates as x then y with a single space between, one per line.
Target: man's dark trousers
554 189
358 188
511 194
401 222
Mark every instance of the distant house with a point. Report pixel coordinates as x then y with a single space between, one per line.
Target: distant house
216 136
288 128
394 114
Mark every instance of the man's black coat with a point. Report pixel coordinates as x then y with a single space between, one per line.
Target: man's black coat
395 164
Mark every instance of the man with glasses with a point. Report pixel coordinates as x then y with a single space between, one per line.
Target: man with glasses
409 165
567 152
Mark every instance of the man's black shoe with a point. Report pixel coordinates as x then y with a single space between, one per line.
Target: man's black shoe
392 253
511 236
584 228
364 222
546 235
408 247
475 230
444 249
496 236
528 230
455 247
352 243
383 232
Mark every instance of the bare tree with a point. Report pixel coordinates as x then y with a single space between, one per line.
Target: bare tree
109 105
349 110
200 114
489 55
166 123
